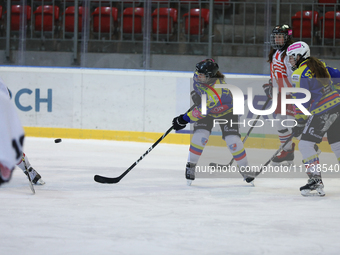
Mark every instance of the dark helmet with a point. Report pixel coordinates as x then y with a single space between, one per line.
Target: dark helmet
208 67
284 30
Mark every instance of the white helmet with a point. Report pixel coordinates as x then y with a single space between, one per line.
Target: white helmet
298 49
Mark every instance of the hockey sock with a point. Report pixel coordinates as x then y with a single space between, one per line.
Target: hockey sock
284 135
198 141
21 164
310 158
336 149
236 148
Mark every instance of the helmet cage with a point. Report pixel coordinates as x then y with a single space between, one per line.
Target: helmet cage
283 30
273 42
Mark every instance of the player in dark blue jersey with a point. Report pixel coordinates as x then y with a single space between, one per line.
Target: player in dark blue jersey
322 81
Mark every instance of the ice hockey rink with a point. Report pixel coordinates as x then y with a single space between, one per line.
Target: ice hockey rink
152 210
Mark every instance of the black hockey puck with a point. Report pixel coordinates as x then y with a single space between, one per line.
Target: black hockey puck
57 140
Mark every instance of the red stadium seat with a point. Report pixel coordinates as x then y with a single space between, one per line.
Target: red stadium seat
15 16
328 3
198 19
329 25
102 15
191 2
306 24
0 12
129 3
51 16
160 3
226 3
69 19
163 20
133 20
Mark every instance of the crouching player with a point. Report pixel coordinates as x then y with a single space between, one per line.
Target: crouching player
11 138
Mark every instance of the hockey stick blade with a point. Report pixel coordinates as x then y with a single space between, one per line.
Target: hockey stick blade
218 165
103 179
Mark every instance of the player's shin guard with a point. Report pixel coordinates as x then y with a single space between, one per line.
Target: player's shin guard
198 141
236 148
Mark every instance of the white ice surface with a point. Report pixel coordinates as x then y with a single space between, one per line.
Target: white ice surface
152 211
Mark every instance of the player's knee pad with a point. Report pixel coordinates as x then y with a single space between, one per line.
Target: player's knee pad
200 137
198 141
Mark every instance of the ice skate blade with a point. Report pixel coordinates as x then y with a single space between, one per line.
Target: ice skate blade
318 193
252 183
189 182
39 182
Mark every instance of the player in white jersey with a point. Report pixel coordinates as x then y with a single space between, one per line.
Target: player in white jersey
22 162
280 73
11 138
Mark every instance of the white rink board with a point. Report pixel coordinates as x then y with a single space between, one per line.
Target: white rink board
109 99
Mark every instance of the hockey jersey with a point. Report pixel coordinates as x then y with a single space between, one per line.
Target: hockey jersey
219 101
3 88
324 95
280 71
11 136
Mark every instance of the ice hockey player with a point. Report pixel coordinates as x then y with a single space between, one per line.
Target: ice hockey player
219 106
23 162
280 73
324 105
11 138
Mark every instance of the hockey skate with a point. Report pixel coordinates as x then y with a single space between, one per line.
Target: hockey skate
249 177
285 157
35 176
313 184
190 172
250 180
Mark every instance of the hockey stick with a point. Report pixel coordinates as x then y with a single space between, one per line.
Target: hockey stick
28 175
277 152
103 179
245 138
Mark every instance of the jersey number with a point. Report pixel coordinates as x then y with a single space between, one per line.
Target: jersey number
16 147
